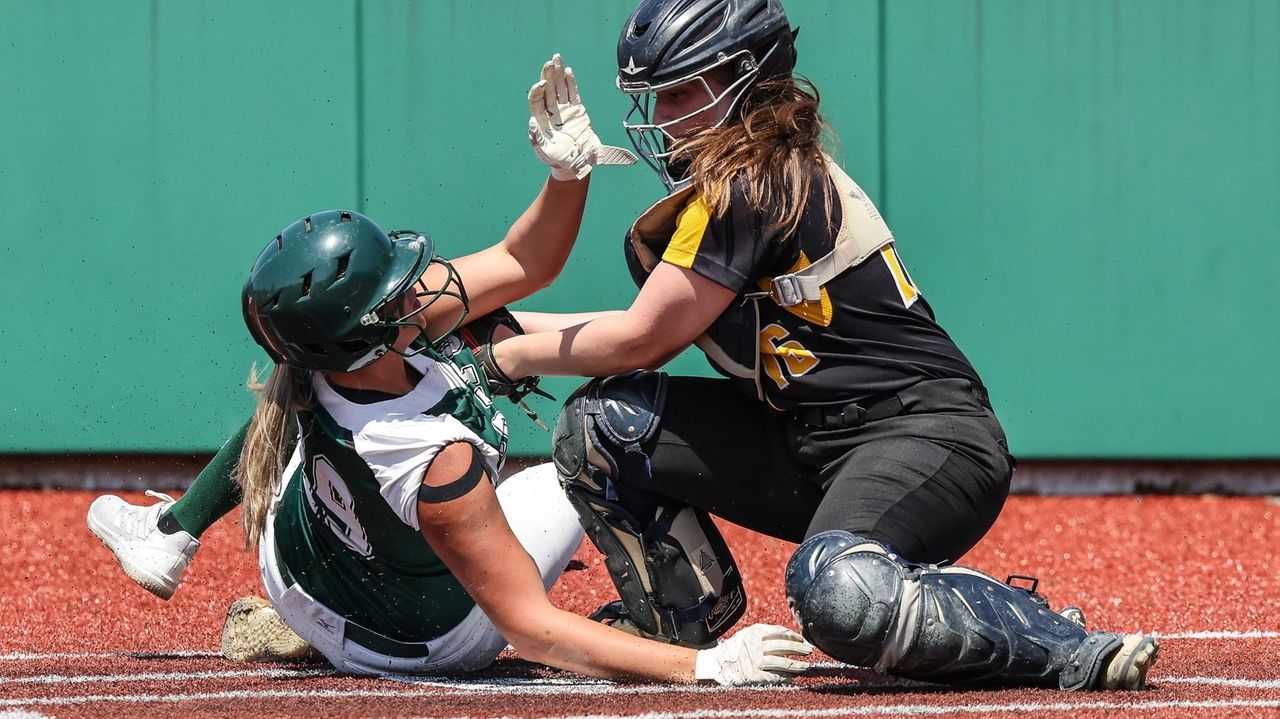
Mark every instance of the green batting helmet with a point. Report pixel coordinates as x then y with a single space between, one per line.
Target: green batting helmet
317 297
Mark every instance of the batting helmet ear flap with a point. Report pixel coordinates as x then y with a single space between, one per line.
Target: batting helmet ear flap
451 286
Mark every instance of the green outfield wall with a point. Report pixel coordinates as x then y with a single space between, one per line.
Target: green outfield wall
1087 192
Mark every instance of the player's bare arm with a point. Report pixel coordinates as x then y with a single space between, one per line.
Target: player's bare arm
673 308
538 243
461 519
555 321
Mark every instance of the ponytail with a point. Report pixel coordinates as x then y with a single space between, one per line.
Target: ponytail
267 443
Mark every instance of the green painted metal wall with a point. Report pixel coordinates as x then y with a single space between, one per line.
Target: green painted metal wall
1086 191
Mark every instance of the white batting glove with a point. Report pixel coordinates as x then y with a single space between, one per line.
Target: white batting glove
758 654
560 130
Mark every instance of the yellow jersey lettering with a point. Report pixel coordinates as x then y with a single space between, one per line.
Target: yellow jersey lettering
783 359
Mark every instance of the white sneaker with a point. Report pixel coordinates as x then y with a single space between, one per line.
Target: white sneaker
150 557
254 632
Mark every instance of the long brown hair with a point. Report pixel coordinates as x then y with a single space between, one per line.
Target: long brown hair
777 142
266 445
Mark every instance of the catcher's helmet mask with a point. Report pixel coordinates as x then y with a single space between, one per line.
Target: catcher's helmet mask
667 43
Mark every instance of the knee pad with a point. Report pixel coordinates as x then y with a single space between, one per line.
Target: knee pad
600 433
844 592
862 604
674 573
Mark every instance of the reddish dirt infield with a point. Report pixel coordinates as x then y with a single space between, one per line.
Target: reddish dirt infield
81 640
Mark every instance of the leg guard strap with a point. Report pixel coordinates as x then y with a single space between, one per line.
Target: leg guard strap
1085 666
673 572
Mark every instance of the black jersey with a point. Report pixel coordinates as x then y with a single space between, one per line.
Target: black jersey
870 335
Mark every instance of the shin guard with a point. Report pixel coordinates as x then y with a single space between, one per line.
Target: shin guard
674 573
859 602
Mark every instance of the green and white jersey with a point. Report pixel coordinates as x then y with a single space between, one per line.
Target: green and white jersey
346 525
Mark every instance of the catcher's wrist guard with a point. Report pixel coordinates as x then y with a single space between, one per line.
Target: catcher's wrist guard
500 385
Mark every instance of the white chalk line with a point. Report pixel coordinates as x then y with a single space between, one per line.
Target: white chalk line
578 686
546 686
543 686
166 676
933 709
859 710
1252 634
1221 682
40 657
31 656
211 696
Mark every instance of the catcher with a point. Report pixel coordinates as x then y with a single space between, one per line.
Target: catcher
849 420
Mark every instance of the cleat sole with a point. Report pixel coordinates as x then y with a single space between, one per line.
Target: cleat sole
254 632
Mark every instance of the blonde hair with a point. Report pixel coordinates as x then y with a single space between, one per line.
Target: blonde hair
267 443
776 144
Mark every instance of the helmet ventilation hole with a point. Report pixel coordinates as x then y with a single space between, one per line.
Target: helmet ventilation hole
710 26
271 303
279 242
306 224
342 266
639 30
344 216
306 286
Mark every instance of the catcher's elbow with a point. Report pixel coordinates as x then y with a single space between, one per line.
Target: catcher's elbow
652 355
639 353
636 341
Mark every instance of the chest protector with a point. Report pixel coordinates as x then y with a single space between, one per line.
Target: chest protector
733 343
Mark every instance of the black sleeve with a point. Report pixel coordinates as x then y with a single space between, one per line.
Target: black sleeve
733 250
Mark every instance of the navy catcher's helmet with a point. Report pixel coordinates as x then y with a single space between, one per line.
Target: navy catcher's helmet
666 43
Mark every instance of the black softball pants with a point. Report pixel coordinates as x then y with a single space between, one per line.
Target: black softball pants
928 482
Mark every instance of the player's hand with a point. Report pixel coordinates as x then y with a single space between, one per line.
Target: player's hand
560 130
761 653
